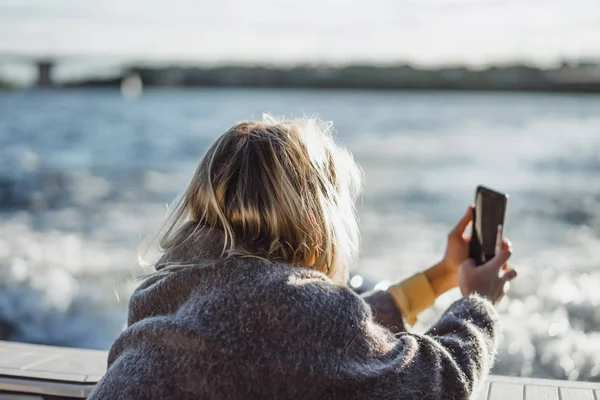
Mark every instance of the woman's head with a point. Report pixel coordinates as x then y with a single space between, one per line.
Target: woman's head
283 186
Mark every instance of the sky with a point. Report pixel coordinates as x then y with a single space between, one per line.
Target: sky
333 31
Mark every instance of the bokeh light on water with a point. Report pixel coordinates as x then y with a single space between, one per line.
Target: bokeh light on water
84 175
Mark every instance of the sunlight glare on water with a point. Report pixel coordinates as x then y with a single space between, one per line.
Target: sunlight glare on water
85 175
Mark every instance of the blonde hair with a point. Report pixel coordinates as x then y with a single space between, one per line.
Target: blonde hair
284 185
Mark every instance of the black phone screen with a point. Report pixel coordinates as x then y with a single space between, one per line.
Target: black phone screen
488 224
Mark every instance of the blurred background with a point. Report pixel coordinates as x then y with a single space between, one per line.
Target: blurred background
106 106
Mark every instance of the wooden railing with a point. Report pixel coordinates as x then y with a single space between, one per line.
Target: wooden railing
45 371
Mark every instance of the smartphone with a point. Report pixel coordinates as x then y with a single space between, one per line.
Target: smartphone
488 224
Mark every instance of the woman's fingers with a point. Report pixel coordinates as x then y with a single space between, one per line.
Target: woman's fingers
460 228
498 261
509 275
491 280
506 244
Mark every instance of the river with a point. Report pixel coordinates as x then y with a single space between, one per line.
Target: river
85 174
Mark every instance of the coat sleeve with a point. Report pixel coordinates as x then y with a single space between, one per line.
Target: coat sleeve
401 303
385 310
448 362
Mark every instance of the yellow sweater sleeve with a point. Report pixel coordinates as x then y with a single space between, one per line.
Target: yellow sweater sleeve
412 296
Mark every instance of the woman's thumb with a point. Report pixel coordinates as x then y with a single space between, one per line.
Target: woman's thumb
499 260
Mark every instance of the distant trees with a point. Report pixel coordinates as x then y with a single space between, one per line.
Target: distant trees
518 77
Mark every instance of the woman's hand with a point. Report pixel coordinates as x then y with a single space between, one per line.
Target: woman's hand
490 279
457 250
444 276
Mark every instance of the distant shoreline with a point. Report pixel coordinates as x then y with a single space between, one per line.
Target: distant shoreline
590 90
581 78
566 78
594 90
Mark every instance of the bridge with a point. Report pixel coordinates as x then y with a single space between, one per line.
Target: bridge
43 64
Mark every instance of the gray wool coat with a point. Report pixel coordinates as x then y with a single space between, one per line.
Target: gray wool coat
244 328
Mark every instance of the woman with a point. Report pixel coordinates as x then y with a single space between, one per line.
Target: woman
249 299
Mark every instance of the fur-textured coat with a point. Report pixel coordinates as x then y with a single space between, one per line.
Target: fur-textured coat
244 328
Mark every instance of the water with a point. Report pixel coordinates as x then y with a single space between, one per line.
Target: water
85 174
